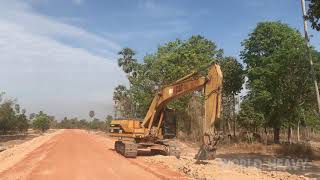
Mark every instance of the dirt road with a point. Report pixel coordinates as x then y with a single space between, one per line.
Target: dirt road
80 155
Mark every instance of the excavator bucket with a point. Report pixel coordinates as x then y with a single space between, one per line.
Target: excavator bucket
208 149
205 154
212 112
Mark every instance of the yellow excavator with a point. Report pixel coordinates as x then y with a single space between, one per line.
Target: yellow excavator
158 129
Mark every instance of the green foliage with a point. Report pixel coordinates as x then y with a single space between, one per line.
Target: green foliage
233 79
32 115
7 116
97 124
249 118
108 119
41 122
233 75
22 123
122 99
310 118
170 62
278 73
127 62
74 123
313 14
12 120
91 114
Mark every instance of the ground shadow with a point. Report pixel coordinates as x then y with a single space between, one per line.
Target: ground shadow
6 138
140 152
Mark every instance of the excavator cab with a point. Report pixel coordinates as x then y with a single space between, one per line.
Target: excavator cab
169 124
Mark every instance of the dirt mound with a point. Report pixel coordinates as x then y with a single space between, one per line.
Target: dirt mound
11 156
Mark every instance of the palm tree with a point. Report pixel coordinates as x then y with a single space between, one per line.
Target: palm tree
91 114
127 62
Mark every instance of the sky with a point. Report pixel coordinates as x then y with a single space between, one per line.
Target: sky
60 56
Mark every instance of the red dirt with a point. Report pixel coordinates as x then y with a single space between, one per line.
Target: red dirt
79 155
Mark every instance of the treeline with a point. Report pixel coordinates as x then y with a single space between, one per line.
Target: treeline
75 123
14 120
279 93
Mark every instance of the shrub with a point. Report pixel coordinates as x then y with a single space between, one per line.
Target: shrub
41 122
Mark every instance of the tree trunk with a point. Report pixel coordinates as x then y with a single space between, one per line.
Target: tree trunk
234 115
221 125
276 135
229 127
289 134
312 132
298 131
266 135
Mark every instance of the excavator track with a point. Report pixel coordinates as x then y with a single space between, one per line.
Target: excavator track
126 148
171 149
174 151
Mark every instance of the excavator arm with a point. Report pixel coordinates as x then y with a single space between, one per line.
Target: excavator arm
212 84
147 134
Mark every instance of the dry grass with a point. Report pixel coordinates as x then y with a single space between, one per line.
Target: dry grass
302 150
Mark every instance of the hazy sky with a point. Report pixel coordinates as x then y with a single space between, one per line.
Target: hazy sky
60 56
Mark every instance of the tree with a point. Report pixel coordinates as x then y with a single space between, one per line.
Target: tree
12 118
233 75
108 119
277 70
96 124
83 124
91 114
248 117
32 115
123 101
22 123
7 116
127 62
313 14
17 108
41 122
170 62
65 123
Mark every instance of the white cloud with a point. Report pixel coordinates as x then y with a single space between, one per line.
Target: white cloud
21 13
47 74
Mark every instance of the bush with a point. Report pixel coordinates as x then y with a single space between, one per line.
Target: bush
11 119
41 122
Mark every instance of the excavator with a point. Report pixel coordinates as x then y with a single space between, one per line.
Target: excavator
157 131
